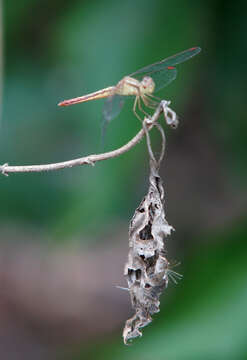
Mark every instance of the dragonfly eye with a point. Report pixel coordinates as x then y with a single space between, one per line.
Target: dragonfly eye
147 83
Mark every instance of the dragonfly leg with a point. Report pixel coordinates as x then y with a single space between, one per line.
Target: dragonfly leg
140 107
134 108
155 97
149 102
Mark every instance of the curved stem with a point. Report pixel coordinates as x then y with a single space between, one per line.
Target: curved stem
90 159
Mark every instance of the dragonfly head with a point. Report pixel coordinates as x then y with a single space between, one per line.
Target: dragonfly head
148 85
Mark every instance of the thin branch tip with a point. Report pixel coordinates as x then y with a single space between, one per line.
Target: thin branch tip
3 169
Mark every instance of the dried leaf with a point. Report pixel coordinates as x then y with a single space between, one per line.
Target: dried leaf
147 270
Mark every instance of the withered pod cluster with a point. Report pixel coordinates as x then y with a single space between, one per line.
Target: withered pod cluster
147 270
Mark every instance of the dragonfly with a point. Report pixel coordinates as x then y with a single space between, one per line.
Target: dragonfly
142 84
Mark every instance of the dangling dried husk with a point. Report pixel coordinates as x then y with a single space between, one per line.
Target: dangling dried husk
147 268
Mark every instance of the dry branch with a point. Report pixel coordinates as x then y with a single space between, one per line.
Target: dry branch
5 169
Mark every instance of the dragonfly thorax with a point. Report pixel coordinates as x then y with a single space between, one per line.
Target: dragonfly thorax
132 86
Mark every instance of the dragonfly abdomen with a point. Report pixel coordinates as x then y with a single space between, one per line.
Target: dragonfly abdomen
109 91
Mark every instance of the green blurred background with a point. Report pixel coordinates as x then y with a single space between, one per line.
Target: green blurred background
64 235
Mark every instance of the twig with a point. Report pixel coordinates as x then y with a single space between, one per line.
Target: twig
90 159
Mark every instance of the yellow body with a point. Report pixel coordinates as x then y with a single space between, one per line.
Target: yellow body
131 86
127 86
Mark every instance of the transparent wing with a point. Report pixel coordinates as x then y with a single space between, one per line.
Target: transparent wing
170 61
163 77
112 107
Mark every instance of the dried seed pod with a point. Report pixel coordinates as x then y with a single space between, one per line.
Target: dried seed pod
147 269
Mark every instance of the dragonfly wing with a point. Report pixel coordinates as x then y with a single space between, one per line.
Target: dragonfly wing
112 107
163 77
170 61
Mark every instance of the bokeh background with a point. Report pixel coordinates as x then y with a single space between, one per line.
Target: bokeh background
64 235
